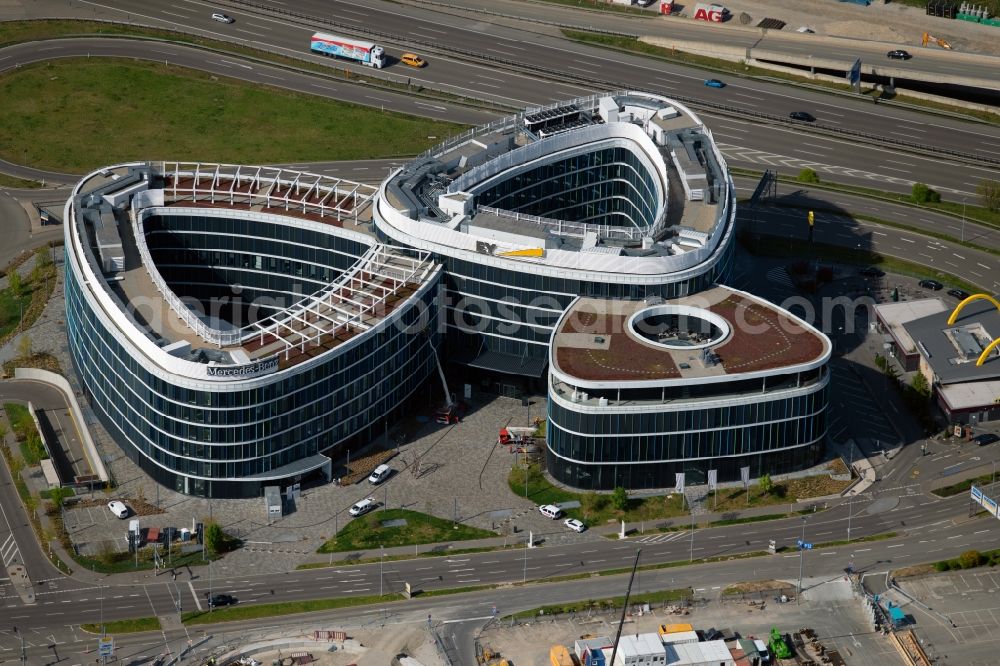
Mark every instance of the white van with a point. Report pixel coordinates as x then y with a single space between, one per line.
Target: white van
550 511
380 474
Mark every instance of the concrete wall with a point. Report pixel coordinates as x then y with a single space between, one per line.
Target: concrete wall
89 448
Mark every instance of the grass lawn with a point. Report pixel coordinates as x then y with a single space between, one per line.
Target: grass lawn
116 562
253 611
595 508
124 626
784 492
11 305
367 531
55 113
20 419
963 486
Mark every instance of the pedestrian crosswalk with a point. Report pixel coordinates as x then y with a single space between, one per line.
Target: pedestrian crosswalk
661 538
779 275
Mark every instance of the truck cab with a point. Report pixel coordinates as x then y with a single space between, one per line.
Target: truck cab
378 57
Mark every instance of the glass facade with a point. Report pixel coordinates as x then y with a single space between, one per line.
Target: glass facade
600 450
608 187
206 440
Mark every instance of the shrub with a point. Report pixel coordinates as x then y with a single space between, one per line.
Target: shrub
942 566
594 502
214 538
807 176
970 559
619 498
765 483
921 193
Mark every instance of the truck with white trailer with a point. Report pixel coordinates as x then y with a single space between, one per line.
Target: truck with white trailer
358 50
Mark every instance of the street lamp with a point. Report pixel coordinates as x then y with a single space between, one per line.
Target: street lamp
21 636
963 219
380 560
802 549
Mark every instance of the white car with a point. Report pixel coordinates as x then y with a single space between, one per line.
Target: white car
574 524
380 474
362 507
118 508
223 18
550 511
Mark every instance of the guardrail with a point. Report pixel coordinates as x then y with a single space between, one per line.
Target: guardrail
981 158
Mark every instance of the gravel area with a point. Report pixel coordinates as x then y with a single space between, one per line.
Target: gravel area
892 22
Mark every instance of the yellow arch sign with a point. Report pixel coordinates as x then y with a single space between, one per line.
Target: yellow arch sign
970 299
986 352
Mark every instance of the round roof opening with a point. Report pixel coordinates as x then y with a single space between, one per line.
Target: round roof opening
679 326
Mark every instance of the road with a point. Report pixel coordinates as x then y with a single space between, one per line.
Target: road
746 141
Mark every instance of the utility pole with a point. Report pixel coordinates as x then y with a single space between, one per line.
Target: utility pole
850 500
802 550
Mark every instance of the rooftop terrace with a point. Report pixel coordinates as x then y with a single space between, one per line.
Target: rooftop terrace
718 332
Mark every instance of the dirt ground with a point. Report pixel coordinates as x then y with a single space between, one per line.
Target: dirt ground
892 23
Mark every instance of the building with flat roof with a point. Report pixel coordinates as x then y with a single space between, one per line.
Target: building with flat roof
236 326
960 357
233 327
584 243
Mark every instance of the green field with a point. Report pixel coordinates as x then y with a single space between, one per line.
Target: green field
56 115
366 532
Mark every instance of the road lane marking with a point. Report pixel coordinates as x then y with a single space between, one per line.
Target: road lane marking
194 595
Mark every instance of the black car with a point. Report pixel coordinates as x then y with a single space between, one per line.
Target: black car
898 54
871 271
986 438
801 115
217 600
959 294
933 285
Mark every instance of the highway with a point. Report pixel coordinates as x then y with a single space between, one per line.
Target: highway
928 528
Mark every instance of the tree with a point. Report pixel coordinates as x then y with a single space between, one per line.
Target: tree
921 193
619 498
214 538
808 176
920 385
765 483
989 194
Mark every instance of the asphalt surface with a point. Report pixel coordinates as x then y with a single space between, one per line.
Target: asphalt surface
747 141
928 528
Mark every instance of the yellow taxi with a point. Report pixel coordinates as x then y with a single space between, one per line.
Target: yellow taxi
412 59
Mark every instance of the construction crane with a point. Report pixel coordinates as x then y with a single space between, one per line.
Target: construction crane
628 592
940 42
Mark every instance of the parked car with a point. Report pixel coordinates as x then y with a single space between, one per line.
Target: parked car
412 59
871 271
118 508
933 285
802 115
959 294
223 18
574 524
362 507
714 83
381 473
550 511
217 600
898 54
986 438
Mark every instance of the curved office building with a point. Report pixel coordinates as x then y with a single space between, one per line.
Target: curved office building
234 325
563 232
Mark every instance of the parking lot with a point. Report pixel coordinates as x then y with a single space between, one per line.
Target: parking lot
956 615
461 473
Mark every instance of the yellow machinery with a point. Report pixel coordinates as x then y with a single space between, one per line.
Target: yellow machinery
940 42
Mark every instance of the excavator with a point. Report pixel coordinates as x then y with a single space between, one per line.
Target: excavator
940 42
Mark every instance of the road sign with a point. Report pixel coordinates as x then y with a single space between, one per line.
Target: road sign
106 647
